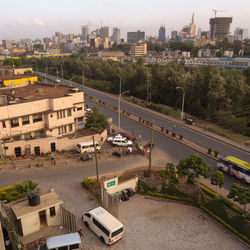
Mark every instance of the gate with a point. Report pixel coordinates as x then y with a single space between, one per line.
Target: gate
68 220
111 203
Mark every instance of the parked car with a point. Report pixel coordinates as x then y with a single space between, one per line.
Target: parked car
124 134
121 142
189 121
111 138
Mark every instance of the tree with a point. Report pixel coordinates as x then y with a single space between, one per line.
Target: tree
217 178
25 187
96 121
193 166
169 173
240 194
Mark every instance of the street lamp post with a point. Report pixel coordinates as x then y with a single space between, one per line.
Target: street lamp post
183 97
119 103
72 79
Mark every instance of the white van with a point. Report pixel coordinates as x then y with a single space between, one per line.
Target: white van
87 147
63 242
103 224
121 142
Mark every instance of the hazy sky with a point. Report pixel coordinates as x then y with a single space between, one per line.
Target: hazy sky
40 18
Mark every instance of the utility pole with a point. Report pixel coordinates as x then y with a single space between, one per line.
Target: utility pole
148 88
62 70
151 148
82 78
96 163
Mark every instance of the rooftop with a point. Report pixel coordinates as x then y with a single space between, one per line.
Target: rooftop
12 77
35 92
22 208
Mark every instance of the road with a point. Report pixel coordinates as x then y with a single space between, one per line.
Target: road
175 149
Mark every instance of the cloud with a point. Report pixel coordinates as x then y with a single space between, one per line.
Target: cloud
21 22
107 2
38 22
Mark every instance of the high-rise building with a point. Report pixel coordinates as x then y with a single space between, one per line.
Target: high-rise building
199 33
7 44
220 27
116 35
85 32
135 37
192 27
138 50
240 34
174 35
162 34
104 32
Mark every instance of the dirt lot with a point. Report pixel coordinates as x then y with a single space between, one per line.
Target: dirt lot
157 225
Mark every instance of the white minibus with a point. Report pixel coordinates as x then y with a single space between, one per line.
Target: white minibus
87 147
103 224
63 242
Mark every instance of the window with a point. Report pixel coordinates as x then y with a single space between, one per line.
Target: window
27 136
70 127
117 232
78 109
63 248
62 130
63 113
17 138
100 226
25 120
14 123
69 112
87 214
37 118
80 119
60 114
52 211
51 115
3 124
38 133
75 246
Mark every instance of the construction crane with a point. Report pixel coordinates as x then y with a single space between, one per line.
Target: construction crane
215 12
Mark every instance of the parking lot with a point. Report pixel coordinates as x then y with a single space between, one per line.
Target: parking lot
150 224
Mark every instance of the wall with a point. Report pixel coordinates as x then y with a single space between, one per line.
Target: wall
1 238
21 81
30 223
65 143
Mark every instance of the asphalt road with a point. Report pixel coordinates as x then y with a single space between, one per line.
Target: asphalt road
175 149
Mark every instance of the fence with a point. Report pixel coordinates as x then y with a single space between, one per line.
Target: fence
68 220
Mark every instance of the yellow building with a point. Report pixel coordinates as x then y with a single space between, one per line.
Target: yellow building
138 50
15 81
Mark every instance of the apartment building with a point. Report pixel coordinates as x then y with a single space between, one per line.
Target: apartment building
36 118
138 50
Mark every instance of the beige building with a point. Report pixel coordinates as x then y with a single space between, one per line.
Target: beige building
29 219
38 118
138 50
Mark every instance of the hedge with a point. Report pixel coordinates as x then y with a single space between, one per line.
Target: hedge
209 192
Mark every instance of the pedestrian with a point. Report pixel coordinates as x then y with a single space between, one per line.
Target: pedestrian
144 150
52 158
54 161
139 136
67 161
29 166
140 149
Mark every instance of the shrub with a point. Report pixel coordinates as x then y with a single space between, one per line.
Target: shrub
99 198
209 151
63 151
209 192
217 207
216 153
166 131
181 136
48 154
173 134
88 184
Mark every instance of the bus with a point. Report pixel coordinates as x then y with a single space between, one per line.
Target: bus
87 147
235 167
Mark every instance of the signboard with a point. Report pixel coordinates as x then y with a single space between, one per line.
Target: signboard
111 183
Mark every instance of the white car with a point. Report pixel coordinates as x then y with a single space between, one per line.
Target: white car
111 138
122 142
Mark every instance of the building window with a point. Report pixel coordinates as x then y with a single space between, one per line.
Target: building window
52 211
70 127
69 112
60 114
80 119
27 136
14 123
25 120
51 115
62 130
38 133
17 138
37 118
78 109
3 124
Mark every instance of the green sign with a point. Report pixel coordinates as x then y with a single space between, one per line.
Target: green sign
110 184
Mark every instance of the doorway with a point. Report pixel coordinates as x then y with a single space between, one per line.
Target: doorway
37 150
18 151
42 216
27 150
52 147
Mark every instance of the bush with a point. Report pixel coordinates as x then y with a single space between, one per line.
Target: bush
217 207
216 153
181 136
173 134
166 131
209 192
88 184
48 154
63 151
209 151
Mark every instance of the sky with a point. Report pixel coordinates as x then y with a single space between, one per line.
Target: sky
42 18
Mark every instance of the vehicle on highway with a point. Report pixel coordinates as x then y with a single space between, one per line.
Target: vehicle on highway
236 167
103 224
87 147
58 81
121 142
66 241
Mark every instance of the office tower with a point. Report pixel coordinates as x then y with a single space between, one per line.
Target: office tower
135 37
7 44
174 35
240 34
199 33
116 35
104 32
192 27
220 27
86 33
162 34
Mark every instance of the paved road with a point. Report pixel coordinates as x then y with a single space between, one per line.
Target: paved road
175 149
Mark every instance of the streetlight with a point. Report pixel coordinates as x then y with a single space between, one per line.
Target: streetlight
72 79
183 97
119 108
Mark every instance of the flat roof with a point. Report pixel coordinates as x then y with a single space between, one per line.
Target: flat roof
63 240
22 208
105 217
13 77
35 92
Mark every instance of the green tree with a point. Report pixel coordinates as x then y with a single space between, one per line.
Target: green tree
193 166
169 173
25 187
217 178
240 194
96 121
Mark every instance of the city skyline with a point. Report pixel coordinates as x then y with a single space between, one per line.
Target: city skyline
24 20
